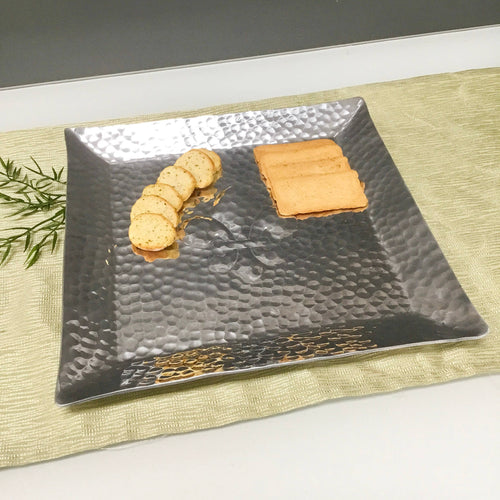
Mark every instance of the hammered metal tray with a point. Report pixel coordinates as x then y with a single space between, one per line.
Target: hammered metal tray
249 290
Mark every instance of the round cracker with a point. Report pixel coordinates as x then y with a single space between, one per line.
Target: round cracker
165 191
151 204
151 232
200 165
215 159
179 178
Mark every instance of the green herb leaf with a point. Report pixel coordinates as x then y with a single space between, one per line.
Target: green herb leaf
37 192
54 242
27 242
6 252
33 256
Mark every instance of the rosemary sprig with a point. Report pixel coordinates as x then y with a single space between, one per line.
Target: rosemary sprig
27 191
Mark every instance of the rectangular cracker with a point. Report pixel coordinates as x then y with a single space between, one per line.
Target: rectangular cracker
290 146
318 193
276 154
314 167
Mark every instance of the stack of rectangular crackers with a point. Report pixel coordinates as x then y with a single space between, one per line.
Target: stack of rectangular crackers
310 178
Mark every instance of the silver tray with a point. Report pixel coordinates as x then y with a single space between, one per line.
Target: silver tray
249 290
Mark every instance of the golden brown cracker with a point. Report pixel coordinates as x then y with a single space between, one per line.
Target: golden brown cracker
180 179
314 167
152 204
215 159
276 154
317 193
200 165
151 232
165 191
291 146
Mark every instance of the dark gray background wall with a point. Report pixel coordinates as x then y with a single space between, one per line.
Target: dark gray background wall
49 40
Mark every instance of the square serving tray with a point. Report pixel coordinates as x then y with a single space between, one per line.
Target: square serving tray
249 290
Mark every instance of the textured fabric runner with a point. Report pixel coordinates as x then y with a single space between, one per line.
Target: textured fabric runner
443 134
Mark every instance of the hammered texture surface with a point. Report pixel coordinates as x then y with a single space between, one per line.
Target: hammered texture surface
249 289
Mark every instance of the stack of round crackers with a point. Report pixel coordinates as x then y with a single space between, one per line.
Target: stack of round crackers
156 214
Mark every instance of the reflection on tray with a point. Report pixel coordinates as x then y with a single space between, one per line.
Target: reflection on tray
240 356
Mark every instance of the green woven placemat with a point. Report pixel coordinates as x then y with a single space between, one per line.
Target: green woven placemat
443 134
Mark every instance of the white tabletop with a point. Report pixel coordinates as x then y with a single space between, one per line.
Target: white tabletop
441 441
